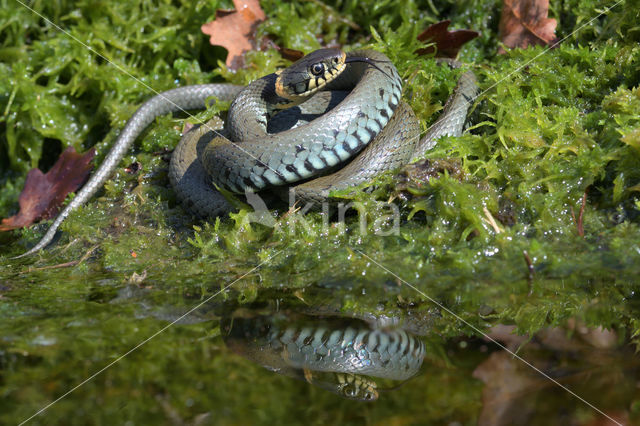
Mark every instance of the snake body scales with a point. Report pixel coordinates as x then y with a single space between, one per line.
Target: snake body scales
359 123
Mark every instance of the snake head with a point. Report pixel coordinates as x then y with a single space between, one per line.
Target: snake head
359 393
310 74
357 387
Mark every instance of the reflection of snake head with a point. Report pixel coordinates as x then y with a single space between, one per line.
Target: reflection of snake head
357 387
348 385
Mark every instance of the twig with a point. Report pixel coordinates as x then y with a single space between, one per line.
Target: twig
66 264
531 270
12 96
580 222
491 220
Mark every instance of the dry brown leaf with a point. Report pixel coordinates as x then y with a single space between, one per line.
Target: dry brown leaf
44 193
513 391
619 417
447 43
235 30
290 54
524 23
506 396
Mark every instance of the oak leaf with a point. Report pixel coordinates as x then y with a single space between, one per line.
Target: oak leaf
43 194
447 44
525 23
235 30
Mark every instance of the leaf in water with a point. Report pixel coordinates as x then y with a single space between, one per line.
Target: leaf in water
578 357
447 43
506 394
524 23
44 193
235 30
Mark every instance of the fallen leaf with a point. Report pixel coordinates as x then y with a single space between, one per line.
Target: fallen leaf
447 43
290 54
235 30
524 23
506 396
578 357
44 193
506 334
619 417
597 337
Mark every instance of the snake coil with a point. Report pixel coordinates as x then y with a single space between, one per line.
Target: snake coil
361 125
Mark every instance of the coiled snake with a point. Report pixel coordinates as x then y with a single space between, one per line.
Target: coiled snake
367 129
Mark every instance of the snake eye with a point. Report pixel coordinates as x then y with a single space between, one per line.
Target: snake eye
317 68
350 391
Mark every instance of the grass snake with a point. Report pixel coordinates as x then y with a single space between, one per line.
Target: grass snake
278 133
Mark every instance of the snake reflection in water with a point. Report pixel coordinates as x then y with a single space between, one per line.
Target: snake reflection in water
343 354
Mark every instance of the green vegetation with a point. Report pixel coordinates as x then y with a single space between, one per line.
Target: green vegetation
549 127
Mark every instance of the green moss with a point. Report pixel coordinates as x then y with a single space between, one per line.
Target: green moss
548 128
